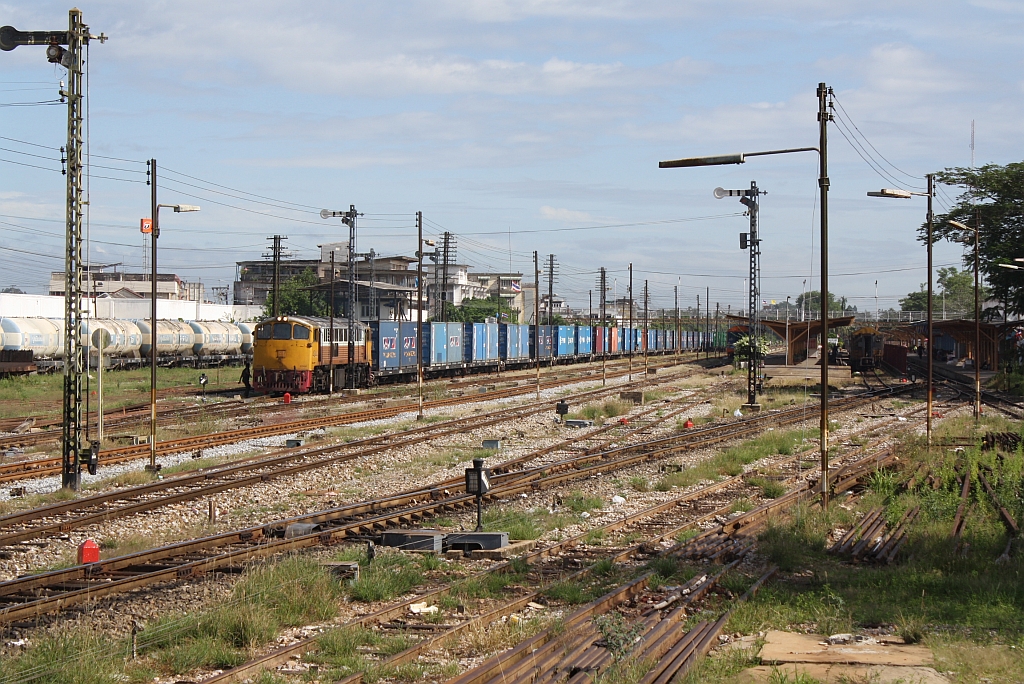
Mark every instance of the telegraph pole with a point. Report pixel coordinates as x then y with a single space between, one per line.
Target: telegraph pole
551 287
824 116
632 333
334 344
536 317
646 327
448 256
276 251
604 355
349 219
76 37
419 314
677 320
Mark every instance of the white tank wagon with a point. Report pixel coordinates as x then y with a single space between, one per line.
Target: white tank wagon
247 337
125 338
173 338
44 337
214 338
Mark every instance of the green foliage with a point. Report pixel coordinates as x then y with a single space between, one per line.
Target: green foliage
298 297
578 502
770 489
811 301
618 635
955 293
479 310
746 345
994 195
388 576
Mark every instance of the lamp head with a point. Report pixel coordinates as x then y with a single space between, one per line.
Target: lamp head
957 224
891 192
183 208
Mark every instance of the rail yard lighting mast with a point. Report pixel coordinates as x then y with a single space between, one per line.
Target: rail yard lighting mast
824 116
349 219
906 194
76 38
977 315
752 242
155 227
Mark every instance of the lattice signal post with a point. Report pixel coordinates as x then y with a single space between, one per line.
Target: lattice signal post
76 38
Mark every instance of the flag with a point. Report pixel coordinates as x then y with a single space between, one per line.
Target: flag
516 287
773 302
504 316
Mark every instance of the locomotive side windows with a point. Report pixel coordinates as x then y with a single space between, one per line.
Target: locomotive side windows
301 332
282 331
263 332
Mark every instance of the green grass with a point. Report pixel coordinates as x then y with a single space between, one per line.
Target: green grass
577 502
287 593
965 605
522 525
731 461
611 408
389 575
770 489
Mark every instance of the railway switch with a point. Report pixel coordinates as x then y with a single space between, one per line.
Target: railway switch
478 481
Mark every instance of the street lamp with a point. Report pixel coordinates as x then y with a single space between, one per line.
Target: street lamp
823 182
906 194
977 316
155 227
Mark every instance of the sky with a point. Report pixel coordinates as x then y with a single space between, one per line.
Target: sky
519 127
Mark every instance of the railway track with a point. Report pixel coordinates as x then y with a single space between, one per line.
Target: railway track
62 517
118 423
19 470
965 388
555 563
28 597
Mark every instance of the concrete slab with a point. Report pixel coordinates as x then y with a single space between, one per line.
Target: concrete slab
513 549
788 647
868 674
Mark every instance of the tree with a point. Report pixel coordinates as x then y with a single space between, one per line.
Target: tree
955 288
298 298
743 347
993 200
479 310
812 302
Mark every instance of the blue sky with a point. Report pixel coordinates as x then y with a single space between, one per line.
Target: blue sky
538 124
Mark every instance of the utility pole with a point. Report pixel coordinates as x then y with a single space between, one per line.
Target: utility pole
697 328
604 355
276 250
632 333
349 219
824 116
419 314
76 37
551 287
334 344
536 317
676 288
647 327
448 257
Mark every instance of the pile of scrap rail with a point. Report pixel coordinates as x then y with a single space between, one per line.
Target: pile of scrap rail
577 650
873 539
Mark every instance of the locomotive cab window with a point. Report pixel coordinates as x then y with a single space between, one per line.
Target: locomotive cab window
301 332
263 332
282 331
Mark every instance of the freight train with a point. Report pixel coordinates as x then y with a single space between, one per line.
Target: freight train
197 343
297 354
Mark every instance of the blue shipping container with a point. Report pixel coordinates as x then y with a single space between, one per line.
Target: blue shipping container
566 340
491 348
584 340
409 347
435 344
385 346
524 341
456 353
542 342
475 338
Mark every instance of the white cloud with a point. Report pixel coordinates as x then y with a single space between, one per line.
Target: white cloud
565 215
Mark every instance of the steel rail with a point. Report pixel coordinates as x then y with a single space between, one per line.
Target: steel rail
48 466
210 481
101 579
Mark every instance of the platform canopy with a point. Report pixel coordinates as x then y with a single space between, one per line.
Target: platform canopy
798 333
